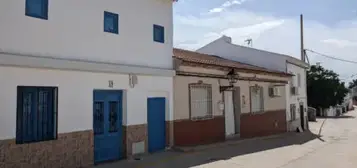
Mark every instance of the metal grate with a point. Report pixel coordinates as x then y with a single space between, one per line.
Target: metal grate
257 99
200 101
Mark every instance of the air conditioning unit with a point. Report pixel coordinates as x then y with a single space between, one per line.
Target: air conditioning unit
274 92
294 90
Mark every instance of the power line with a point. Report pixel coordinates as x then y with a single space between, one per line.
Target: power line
332 57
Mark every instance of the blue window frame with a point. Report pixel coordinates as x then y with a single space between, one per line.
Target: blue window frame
37 9
159 34
36 114
111 22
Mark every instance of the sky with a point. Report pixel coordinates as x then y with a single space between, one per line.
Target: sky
330 27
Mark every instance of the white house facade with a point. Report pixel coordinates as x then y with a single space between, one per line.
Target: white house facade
84 82
296 93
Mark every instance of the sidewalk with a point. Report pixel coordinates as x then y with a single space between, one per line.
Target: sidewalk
228 143
200 155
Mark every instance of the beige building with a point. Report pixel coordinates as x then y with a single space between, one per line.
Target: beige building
207 108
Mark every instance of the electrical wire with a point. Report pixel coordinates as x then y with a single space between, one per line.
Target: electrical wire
331 57
334 58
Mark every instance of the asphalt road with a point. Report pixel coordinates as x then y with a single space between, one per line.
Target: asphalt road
332 143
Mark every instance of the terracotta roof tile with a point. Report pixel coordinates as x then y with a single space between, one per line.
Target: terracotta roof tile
195 57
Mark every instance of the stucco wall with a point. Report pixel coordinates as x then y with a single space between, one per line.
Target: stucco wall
181 97
270 103
302 96
75 96
74 29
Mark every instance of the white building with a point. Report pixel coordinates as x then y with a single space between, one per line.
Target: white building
296 106
81 80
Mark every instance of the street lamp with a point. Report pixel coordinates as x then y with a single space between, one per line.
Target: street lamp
232 79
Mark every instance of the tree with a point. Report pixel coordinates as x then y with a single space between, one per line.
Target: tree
324 88
352 84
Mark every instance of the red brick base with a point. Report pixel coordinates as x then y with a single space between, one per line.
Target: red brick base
189 133
263 124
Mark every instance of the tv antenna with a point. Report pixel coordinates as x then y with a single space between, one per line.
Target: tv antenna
249 42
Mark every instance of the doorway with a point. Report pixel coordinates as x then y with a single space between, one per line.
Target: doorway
237 109
302 118
156 107
229 113
107 125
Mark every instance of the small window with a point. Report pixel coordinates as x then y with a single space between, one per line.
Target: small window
256 99
37 9
159 34
111 22
200 101
36 114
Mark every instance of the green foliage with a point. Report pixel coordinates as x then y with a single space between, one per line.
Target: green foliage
324 88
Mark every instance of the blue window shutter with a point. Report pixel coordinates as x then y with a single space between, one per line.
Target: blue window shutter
111 22
159 34
27 112
36 114
37 9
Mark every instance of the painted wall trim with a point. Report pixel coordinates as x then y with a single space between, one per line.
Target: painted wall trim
180 73
30 61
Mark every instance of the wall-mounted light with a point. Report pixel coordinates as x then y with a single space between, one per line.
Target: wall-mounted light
232 77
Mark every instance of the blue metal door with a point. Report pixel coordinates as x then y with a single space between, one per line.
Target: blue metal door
156 124
107 125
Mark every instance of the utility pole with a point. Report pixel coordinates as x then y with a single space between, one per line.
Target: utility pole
302 38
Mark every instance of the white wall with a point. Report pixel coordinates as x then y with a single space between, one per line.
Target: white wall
75 96
74 29
302 96
224 48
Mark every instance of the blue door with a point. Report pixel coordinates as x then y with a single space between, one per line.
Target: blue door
156 124
107 125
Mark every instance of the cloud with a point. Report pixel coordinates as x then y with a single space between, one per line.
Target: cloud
216 10
273 33
340 43
225 5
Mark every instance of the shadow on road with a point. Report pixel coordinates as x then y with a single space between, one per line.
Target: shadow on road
228 152
338 117
184 160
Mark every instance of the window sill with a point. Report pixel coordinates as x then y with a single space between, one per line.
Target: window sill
157 41
34 142
257 112
111 32
202 118
37 16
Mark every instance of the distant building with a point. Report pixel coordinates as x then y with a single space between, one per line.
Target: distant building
296 93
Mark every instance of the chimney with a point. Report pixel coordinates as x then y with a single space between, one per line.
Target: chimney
227 39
